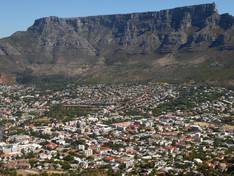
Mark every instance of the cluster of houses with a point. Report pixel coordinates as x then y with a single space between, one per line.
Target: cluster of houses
120 132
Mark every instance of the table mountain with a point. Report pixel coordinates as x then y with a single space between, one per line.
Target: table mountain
181 44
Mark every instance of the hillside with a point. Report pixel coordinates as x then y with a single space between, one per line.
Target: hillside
181 44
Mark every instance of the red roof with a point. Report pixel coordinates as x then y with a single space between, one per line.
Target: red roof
51 145
108 158
169 148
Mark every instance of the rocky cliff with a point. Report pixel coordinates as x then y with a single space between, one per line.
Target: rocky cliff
187 43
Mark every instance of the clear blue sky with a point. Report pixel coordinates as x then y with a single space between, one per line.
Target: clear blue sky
18 15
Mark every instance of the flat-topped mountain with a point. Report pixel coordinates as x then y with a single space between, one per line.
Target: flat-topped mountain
187 43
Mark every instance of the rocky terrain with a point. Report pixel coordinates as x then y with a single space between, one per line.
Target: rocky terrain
181 44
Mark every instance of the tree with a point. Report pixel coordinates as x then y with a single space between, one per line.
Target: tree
66 166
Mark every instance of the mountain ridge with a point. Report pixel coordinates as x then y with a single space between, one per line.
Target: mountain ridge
184 43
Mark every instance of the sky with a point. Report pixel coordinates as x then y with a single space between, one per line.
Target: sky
18 15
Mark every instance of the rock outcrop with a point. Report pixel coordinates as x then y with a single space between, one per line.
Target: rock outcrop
164 45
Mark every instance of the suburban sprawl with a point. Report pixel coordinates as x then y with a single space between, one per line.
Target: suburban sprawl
118 129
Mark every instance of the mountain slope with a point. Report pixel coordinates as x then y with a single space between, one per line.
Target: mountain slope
187 43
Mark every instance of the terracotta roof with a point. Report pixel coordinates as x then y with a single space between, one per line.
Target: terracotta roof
122 124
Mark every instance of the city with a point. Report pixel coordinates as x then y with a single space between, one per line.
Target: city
117 129
117 88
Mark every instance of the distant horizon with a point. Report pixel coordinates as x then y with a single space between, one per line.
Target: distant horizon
10 26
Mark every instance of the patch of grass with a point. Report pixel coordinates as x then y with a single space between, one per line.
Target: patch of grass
63 113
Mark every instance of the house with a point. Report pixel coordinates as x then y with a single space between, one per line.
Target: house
88 152
43 156
18 164
51 145
122 126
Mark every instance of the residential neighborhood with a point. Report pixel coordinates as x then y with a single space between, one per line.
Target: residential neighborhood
122 129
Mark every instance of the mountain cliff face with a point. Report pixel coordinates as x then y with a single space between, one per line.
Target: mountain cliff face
187 43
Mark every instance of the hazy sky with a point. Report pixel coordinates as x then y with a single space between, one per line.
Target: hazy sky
18 15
